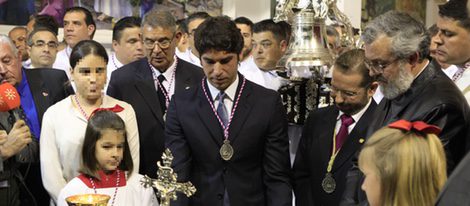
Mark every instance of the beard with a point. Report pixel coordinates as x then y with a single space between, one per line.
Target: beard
395 87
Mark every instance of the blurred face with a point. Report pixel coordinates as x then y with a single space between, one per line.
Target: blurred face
267 50
18 36
220 68
110 149
453 42
10 66
44 49
393 74
347 92
129 48
371 185
247 39
192 26
89 76
75 28
160 44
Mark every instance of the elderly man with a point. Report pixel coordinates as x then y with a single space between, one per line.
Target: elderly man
38 89
149 83
396 49
453 42
42 48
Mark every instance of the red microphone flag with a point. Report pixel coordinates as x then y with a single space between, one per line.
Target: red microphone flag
9 97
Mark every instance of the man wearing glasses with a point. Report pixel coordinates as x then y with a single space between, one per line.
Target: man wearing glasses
149 83
42 48
332 135
414 89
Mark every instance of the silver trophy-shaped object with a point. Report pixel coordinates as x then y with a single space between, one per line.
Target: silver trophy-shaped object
166 183
347 35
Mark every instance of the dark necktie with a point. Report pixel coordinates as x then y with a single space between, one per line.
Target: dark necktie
161 93
221 109
343 132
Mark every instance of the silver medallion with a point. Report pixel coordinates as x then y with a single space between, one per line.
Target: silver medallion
226 151
328 184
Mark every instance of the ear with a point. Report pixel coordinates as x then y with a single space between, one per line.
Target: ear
91 28
372 89
283 45
28 49
178 36
414 59
115 45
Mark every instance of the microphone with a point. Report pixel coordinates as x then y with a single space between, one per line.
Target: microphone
9 99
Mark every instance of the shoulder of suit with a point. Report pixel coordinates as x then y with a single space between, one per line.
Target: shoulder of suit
182 64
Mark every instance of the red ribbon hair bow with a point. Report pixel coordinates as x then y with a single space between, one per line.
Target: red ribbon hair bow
114 109
419 126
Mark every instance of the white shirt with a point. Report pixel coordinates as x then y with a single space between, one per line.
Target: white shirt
230 95
132 194
168 74
267 79
113 64
190 57
463 83
27 64
450 71
62 134
356 118
62 60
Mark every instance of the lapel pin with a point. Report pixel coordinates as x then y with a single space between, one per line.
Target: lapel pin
361 140
45 94
187 87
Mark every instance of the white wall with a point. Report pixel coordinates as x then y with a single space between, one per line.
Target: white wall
255 10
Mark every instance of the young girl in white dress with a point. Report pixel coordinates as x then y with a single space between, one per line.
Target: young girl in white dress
107 165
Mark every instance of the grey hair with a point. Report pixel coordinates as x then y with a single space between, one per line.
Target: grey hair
407 34
160 18
5 39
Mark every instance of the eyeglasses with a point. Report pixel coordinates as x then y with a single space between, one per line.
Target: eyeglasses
379 67
344 93
163 43
41 45
264 45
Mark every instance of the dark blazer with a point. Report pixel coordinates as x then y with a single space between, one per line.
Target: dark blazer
314 153
47 86
432 98
456 191
259 171
134 84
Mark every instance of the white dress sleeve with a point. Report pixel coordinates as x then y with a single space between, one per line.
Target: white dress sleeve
132 135
74 187
51 169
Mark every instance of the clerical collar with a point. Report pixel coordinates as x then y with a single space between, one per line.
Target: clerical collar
230 90
359 114
169 72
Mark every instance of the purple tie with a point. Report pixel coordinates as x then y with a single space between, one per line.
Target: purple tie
346 120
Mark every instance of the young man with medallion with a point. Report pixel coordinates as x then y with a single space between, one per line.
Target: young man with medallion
229 135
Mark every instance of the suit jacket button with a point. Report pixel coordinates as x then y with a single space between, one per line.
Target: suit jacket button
220 196
225 170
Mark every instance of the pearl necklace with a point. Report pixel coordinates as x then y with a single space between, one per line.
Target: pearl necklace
81 108
115 191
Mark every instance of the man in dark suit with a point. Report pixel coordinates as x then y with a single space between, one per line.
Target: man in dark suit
38 89
149 83
229 135
415 89
332 135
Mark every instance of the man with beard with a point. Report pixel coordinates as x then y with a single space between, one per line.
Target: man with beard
149 83
414 89
332 135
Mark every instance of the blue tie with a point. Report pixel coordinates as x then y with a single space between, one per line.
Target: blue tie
221 109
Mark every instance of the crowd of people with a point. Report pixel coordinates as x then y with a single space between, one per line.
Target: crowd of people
206 87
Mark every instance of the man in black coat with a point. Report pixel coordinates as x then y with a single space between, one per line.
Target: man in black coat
228 135
415 89
148 84
320 153
38 89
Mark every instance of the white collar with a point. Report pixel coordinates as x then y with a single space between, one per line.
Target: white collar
358 115
169 72
230 91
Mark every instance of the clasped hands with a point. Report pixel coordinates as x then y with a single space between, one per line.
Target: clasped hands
18 138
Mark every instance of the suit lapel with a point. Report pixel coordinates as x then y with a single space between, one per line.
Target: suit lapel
325 136
146 87
40 93
352 143
183 79
207 116
243 109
